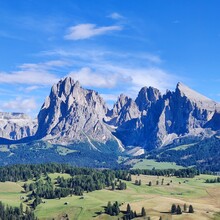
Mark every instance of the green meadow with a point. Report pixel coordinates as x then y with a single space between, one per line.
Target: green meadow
150 164
157 199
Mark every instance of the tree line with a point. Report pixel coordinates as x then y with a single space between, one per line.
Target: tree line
114 210
176 209
15 213
21 172
215 180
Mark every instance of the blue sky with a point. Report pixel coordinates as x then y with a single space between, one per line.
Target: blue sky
110 46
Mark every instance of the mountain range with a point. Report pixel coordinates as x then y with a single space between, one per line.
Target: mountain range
74 116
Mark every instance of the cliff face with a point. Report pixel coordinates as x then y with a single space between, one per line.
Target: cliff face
162 119
72 114
15 126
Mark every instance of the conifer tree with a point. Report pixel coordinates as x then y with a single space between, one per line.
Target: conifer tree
143 212
128 208
173 209
113 186
109 208
191 209
21 208
178 210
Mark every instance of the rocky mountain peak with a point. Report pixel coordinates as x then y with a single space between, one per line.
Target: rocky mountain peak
72 113
199 100
123 110
15 126
146 97
122 101
184 90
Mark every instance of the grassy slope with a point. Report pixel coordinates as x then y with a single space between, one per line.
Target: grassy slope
149 164
183 147
156 199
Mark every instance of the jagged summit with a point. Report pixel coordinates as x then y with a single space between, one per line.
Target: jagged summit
200 100
73 114
146 97
190 93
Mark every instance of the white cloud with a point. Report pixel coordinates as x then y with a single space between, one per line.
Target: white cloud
115 16
100 54
31 88
102 79
123 79
33 73
28 77
20 105
85 31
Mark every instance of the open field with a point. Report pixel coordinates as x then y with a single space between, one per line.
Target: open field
183 147
150 164
157 199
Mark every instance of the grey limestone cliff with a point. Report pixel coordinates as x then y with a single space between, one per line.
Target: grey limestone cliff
163 119
72 114
15 126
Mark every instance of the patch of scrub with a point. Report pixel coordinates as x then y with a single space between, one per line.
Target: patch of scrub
64 150
183 147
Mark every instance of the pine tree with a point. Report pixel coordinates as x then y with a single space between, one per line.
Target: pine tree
132 214
173 209
21 208
116 208
128 208
113 186
139 183
143 212
178 210
109 208
191 209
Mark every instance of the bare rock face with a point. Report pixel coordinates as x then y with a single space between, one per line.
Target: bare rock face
146 97
185 112
15 126
125 109
72 114
178 114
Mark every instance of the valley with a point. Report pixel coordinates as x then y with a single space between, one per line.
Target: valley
156 198
109 110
